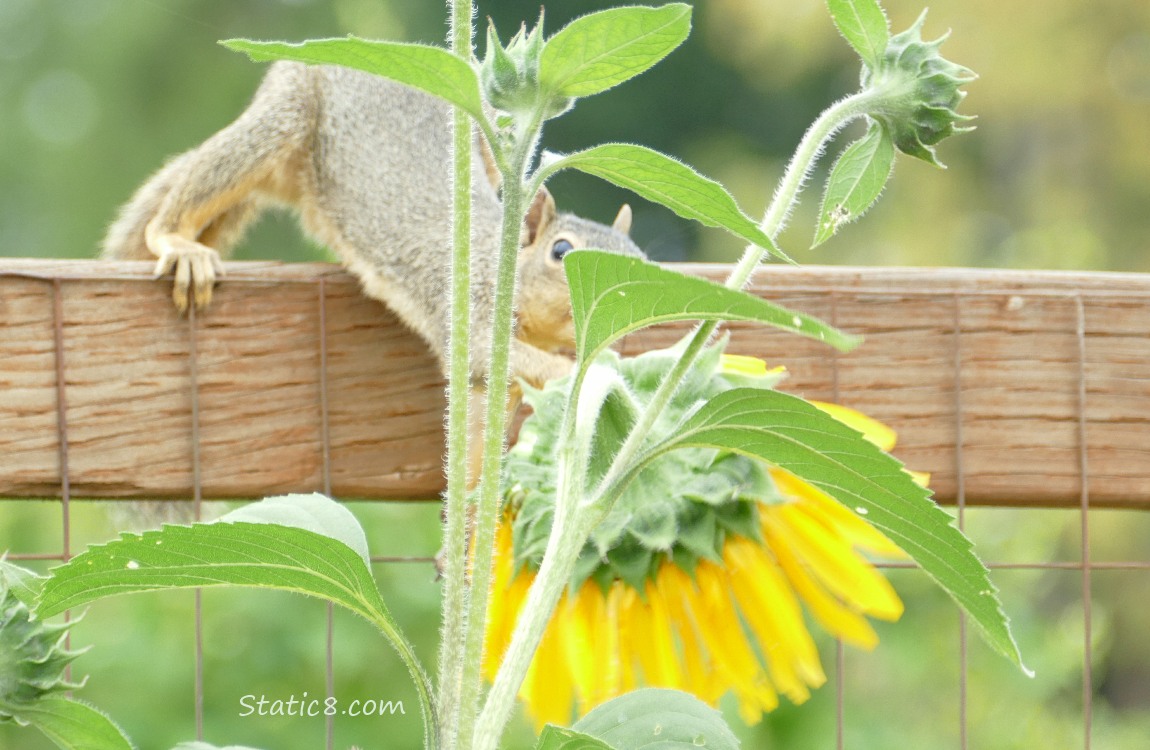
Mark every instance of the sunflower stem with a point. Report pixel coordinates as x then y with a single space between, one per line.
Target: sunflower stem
451 646
543 596
495 427
574 519
806 155
564 545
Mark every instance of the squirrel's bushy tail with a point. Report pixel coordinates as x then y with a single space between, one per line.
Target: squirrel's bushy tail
125 237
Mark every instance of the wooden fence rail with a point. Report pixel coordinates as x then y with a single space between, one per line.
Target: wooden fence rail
1010 388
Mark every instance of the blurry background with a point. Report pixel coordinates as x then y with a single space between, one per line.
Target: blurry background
95 94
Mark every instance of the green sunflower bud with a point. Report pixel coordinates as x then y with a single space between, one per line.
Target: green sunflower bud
924 92
510 75
32 657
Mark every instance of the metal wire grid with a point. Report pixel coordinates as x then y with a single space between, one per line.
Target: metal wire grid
1084 564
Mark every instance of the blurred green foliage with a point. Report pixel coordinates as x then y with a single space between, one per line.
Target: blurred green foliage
95 94
904 694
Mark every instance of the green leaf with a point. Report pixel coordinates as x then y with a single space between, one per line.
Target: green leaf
562 738
74 725
313 512
856 181
430 69
613 422
321 553
658 719
593 53
613 295
262 555
863 24
23 583
788 432
668 182
206 746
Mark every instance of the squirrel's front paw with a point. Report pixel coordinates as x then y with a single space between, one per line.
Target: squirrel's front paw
196 268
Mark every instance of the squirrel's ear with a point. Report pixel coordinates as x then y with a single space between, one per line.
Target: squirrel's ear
540 214
622 223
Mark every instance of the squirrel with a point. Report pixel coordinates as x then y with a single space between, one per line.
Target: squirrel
366 163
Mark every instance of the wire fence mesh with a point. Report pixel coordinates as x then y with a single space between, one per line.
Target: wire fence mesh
1131 373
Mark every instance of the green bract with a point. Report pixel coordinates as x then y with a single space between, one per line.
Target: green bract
32 658
924 92
683 505
510 75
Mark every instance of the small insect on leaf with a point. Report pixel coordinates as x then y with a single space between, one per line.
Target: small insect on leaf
856 181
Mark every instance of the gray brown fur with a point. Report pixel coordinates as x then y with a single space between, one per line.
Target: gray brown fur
366 163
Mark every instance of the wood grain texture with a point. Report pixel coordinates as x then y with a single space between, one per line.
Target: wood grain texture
989 377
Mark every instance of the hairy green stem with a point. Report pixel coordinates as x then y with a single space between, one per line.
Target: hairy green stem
810 148
563 548
543 596
451 645
493 436
495 422
575 518
833 119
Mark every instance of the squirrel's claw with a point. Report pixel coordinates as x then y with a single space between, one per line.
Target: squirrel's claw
196 269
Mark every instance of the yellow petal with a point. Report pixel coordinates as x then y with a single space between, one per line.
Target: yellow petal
838 620
832 560
597 620
743 365
575 635
551 693
921 478
699 671
724 636
856 529
773 612
503 610
629 635
604 618
664 669
873 430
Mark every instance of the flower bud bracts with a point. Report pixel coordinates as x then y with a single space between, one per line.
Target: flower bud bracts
922 92
510 75
32 658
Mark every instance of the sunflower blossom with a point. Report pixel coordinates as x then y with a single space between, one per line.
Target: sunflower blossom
710 602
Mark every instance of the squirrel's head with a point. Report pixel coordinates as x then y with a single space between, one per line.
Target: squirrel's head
542 302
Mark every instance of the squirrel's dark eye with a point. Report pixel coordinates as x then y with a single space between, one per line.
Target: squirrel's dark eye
561 248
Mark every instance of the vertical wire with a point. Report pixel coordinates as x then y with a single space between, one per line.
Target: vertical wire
197 502
62 442
325 452
960 499
325 426
62 420
1084 475
840 655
